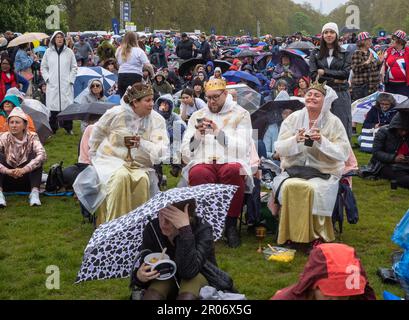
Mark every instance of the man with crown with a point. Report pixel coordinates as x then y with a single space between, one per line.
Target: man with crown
217 148
313 147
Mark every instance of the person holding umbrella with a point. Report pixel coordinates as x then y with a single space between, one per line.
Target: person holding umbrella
189 243
21 158
59 69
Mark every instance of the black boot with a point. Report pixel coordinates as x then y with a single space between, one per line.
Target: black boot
232 235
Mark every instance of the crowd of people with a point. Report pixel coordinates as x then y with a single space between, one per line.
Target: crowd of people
206 137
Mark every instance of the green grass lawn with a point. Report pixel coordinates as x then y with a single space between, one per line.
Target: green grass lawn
33 238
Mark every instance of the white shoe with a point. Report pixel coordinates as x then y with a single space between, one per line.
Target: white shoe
2 200
34 198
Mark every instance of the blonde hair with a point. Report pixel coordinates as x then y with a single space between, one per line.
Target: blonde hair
130 41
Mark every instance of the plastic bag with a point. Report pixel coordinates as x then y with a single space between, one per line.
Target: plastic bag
89 189
279 254
401 234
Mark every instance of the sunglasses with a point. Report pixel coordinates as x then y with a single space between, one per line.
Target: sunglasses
96 86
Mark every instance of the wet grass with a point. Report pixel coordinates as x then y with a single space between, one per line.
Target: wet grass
55 234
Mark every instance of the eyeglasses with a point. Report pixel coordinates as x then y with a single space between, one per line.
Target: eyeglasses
96 86
214 98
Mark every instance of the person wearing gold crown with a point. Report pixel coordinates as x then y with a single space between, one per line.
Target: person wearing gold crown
217 147
126 184
313 147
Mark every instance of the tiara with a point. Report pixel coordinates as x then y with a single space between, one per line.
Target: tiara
215 84
133 94
319 87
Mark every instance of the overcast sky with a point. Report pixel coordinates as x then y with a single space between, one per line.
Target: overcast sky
327 5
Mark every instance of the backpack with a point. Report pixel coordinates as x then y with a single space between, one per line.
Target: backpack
55 179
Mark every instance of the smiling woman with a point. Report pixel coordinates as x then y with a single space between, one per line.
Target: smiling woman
313 142
128 176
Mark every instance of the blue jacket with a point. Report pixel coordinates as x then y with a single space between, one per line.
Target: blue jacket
22 61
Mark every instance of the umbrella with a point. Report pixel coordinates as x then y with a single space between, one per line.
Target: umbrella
350 47
85 74
298 59
270 113
188 65
362 106
403 106
246 53
78 111
40 115
301 45
113 248
239 76
247 98
27 38
261 43
222 64
348 30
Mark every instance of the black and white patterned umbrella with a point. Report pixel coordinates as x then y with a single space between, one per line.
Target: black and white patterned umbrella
114 246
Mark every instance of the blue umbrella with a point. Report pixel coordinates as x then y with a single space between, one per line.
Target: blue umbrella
115 98
40 49
85 74
261 43
238 76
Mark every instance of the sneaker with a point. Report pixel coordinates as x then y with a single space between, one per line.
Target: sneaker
233 238
3 203
70 133
34 198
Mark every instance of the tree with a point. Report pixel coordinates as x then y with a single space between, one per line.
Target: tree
301 22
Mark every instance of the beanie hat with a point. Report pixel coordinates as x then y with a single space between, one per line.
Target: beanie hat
331 26
217 69
18 112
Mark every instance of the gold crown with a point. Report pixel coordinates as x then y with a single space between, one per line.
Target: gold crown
215 84
133 94
318 86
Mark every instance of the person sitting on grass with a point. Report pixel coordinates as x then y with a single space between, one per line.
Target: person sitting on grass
6 107
332 272
390 158
189 243
21 159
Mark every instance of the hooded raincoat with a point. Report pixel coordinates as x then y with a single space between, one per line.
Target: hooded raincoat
59 71
126 188
235 122
318 195
330 268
